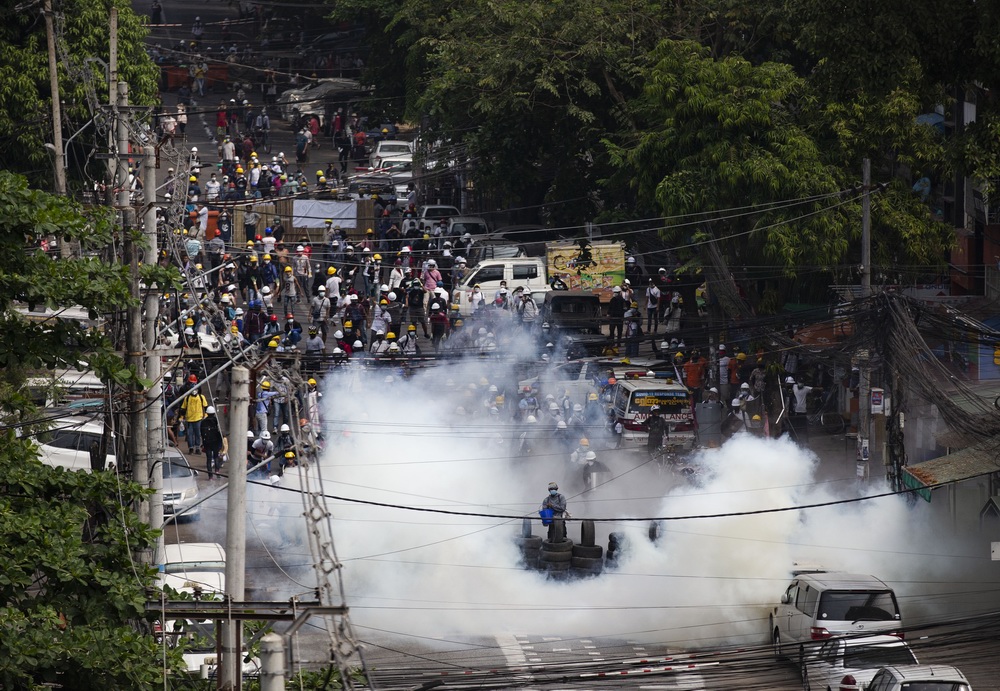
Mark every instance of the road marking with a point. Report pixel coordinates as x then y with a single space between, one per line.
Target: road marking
511 649
562 650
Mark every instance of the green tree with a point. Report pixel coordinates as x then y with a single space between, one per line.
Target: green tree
71 595
724 134
82 30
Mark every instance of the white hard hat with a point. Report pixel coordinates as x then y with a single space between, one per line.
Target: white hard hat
249 434
561 424
391 296
713 390
577 407
210 410
358 344
789 380
322 289
338 334
591 456
744 385
285 428
531 418
265 435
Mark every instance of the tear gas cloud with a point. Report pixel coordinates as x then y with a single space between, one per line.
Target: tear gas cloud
705 582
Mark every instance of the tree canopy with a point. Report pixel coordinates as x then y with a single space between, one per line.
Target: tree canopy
629 108
82 34
71 595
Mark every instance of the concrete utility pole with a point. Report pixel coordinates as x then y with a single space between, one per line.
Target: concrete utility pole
112 88
272 662
57 142
153 403
239 422
864 387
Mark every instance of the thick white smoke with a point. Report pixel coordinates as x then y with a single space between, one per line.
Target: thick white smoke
704 582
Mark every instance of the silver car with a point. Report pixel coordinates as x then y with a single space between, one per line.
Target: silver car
853 661
180 487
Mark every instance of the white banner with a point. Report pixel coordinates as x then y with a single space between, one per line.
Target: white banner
312 213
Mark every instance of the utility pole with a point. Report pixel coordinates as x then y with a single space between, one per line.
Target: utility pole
57 141
864 361
231 667
134 350
154 407
272 658
112 88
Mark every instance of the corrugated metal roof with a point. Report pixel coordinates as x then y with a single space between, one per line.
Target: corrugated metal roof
976 460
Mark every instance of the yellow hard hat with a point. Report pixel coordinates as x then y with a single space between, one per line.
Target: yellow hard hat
458 322
584 441
328 221
267 384
189 322
322 179
411 327
331 271
348 324
311 382
289 454
378 257
592 397
369 232
391 334
319 172
239 170
383 301
288 269
249 243
272 344
253 257
192 179
267 257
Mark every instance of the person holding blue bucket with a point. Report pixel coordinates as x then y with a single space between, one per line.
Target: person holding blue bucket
554 506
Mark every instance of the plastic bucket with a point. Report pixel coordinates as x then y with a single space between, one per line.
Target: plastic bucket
546 515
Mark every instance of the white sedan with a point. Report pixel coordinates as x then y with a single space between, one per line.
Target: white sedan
852 662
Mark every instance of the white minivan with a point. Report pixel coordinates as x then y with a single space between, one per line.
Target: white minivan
818 605
527 272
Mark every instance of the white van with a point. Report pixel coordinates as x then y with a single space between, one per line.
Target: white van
527 272
819 605
67 445
633 398
190 565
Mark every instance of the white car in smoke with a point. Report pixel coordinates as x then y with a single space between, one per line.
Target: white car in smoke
190 566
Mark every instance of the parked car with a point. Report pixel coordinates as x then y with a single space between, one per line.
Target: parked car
68 444
578 377
475 226
311 99
390 148
853 661
818 605
194 565
432 213
919 678
180 487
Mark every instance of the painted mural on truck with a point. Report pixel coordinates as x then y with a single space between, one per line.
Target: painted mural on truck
597 267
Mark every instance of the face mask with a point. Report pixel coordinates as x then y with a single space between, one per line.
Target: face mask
553 492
